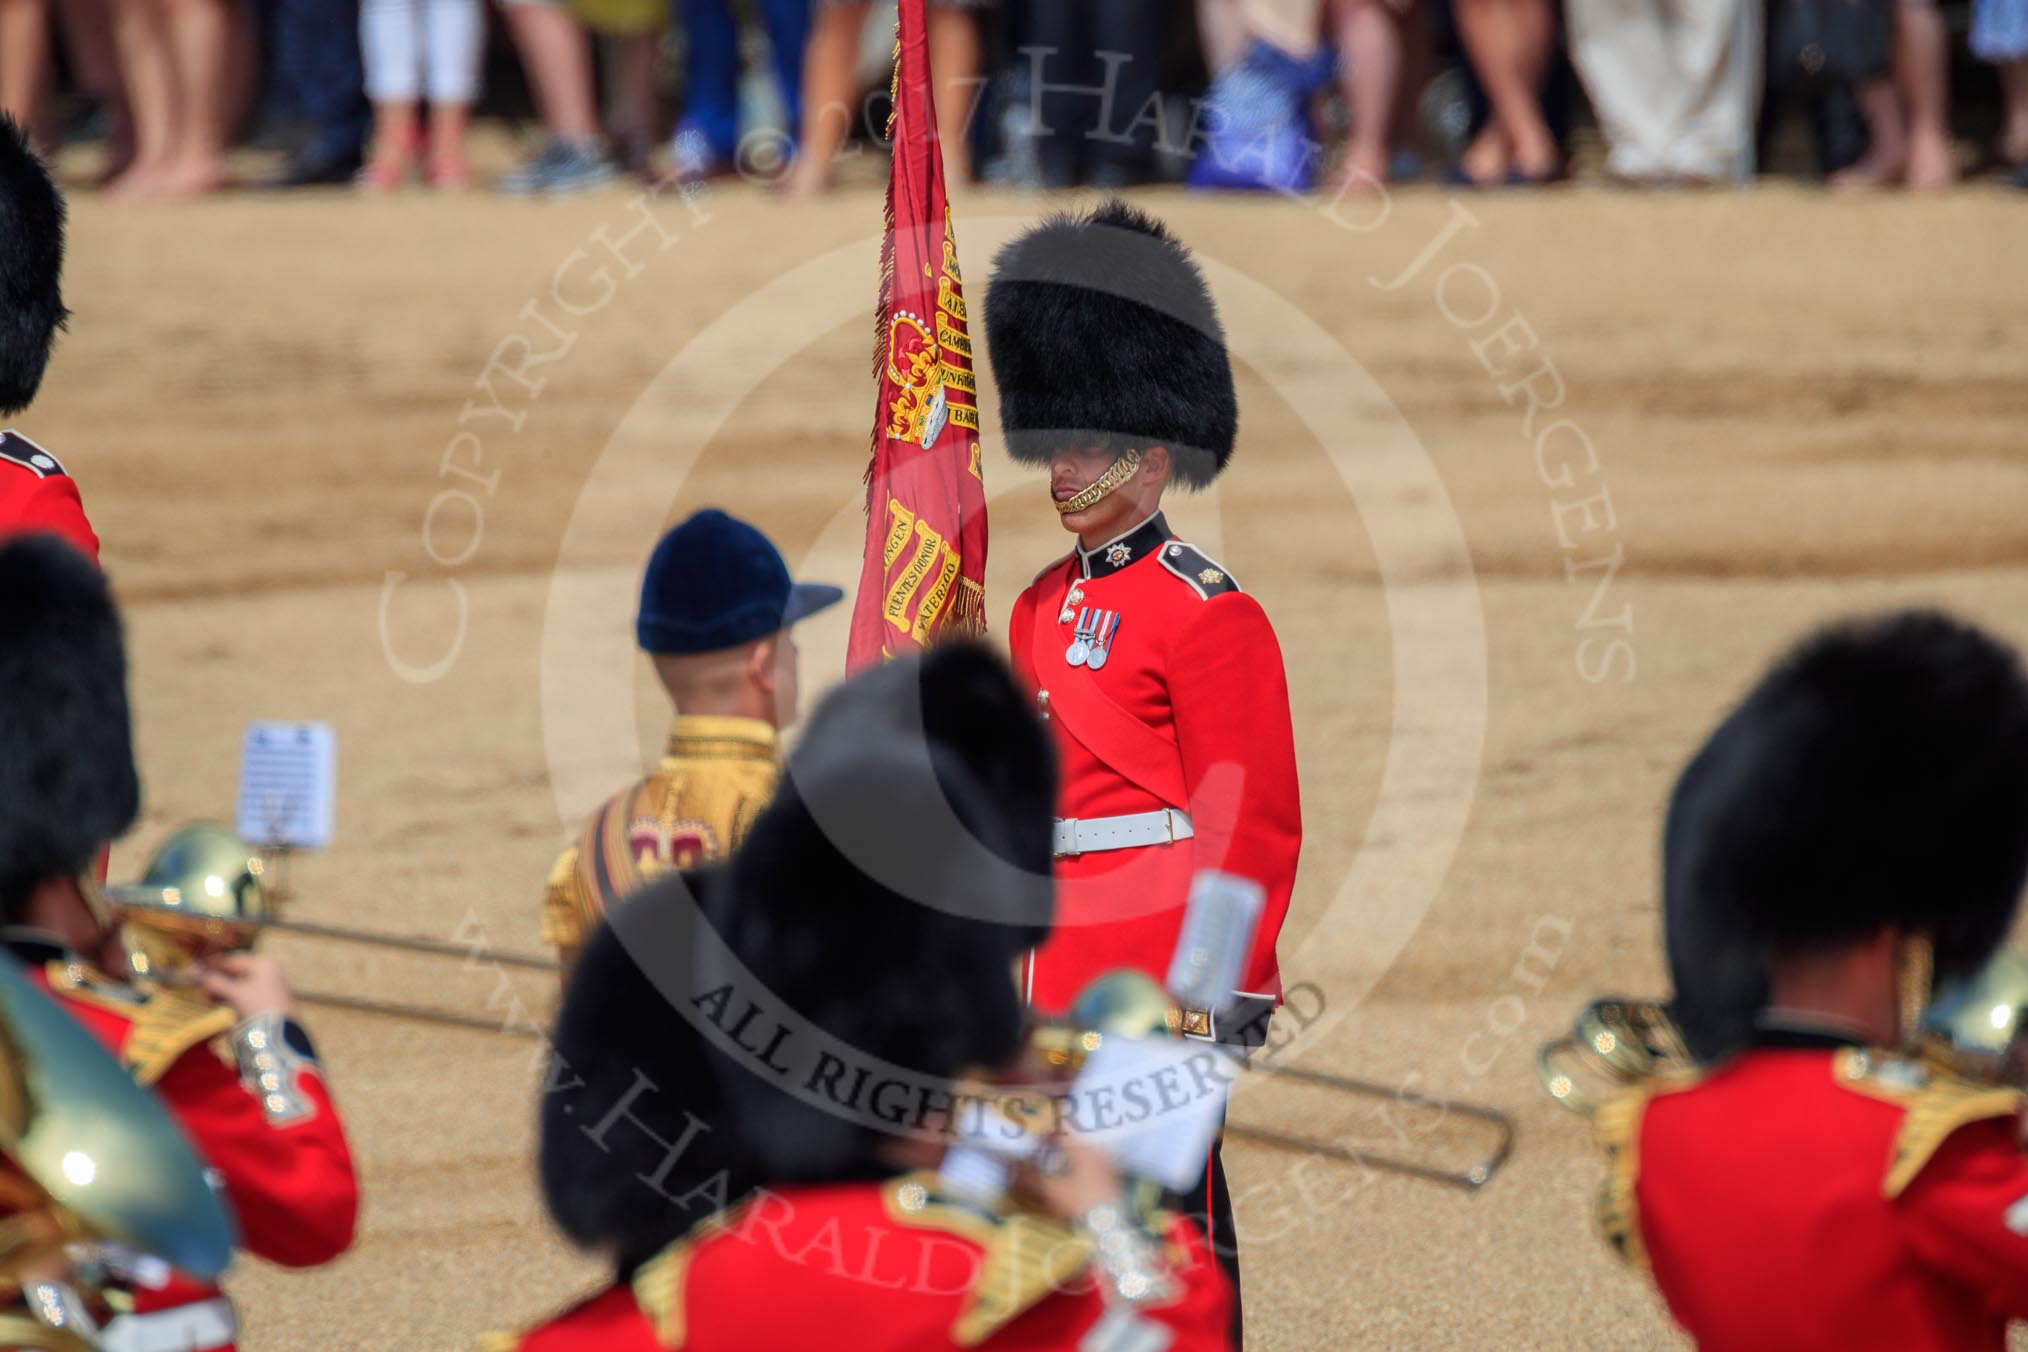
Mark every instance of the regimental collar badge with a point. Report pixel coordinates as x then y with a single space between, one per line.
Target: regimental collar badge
1143 541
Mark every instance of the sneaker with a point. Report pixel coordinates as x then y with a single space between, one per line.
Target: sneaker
692 159
561 168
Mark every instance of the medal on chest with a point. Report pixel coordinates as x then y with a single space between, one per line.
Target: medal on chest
1093 641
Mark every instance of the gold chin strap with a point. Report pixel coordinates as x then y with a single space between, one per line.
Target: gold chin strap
1116 474
1914 962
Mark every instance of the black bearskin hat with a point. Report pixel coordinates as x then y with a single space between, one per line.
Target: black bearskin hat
31 267
636 1143
1878 775
67 779
1719 973
1102 332
886 894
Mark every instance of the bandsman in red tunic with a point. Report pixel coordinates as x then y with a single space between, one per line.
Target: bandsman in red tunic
226 1056
774 1170
35 492
1863 818
1160 676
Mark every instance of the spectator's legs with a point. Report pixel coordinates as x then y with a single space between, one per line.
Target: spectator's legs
1886 157
1292 25
24 58
390 39
1123 153
556 53
711 83
830 94
1068 77
1922 76
2014 127
88 36
1371 54
636 109
788 26
1221 31
454 40
141 37
1509 43
955 57
316 51
200 35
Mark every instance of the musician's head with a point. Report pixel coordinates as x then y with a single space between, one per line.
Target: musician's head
717 606
1111 365
68 786
1863 814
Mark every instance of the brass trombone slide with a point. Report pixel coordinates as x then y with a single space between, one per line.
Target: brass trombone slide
1471 1178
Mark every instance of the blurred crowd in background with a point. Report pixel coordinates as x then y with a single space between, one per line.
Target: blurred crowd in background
1338 96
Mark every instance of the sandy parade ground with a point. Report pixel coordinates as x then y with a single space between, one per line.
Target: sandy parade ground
1531 486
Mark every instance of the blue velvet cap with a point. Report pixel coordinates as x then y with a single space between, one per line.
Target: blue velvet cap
715 582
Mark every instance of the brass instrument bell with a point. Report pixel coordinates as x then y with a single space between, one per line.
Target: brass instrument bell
203 893
95 1157
1122 1002
1972 1025
1614 1039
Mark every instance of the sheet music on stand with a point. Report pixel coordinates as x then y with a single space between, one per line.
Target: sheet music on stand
288 774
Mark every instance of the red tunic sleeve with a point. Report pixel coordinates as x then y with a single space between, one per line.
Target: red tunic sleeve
289 1178
1966 1214
1230 699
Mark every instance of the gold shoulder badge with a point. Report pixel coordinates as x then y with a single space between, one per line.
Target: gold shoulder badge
1617 1124
1026 1258
164 1022
659 1283
1936 1104
1211 577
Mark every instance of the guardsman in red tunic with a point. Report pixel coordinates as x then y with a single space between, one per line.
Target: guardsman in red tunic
773 1170
1862 817
1161 679
227 1058
35 492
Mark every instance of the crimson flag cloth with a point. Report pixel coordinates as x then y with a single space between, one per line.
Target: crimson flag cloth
924 574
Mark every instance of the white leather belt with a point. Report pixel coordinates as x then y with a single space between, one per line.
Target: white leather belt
1090 835
202 1324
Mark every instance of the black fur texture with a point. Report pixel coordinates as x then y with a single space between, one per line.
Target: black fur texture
1878 775
1102 332
608 1179
31 269
827 904
67 779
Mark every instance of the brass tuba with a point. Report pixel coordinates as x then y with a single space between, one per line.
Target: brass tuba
86 1157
